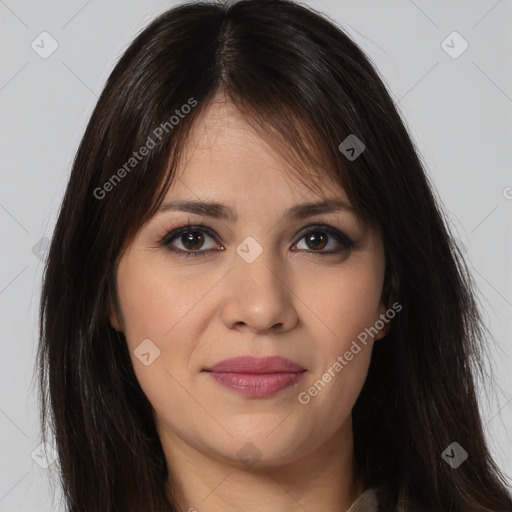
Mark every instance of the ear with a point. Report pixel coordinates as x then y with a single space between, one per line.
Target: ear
383 323
113 315
114 321
388 292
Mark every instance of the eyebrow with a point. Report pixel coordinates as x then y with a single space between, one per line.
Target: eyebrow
219 211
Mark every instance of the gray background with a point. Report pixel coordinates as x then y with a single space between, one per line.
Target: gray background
458 110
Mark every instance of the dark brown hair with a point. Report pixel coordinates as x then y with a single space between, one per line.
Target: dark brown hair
306 86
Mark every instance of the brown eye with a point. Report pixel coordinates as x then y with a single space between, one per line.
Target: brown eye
191 238
316 240
192 241
318 237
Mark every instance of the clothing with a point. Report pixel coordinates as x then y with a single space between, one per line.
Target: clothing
366 502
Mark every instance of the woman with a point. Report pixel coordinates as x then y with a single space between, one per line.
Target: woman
252 300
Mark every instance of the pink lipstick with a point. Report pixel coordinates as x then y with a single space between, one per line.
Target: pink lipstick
256 376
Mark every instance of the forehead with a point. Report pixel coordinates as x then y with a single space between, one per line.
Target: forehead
224 154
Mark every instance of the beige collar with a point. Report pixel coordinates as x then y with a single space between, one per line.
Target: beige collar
366 502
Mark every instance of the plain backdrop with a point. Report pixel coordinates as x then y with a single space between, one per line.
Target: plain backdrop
457 106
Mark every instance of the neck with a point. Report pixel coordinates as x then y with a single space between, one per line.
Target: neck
322 479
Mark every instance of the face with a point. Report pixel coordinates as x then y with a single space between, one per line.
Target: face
256 283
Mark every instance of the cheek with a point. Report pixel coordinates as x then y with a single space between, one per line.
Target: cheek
343 303
158 308
155 301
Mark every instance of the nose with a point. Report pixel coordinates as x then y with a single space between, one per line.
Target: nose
258 297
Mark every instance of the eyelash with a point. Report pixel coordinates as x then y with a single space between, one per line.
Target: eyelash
165 239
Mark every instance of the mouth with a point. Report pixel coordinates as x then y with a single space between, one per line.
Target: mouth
256 377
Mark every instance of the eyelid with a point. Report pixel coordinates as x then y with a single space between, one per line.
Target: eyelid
173 232
327 228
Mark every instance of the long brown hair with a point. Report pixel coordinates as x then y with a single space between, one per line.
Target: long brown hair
306 86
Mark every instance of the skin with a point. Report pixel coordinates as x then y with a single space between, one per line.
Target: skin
291 301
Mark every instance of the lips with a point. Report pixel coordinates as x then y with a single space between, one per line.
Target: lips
256 377
254 364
